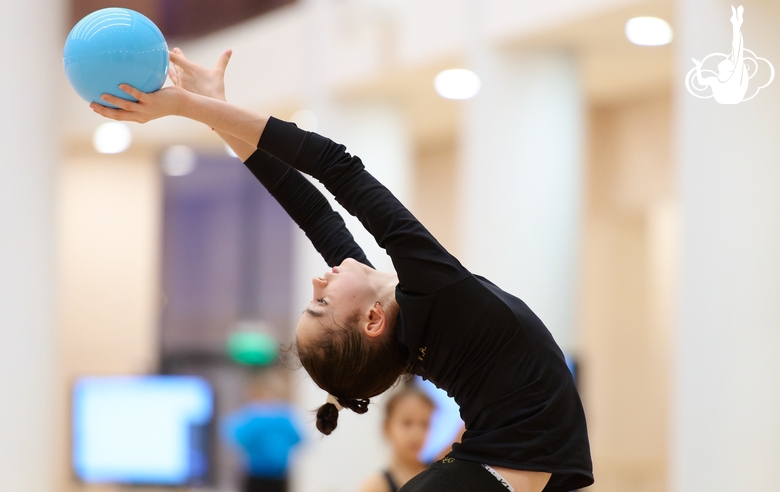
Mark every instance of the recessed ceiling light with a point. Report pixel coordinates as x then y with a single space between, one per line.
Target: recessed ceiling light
112 138
649 31
179 160
457 83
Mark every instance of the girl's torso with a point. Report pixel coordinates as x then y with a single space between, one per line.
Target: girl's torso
499 362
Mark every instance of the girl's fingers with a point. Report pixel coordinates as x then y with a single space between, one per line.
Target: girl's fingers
118 102
141 96
114 114
179 59
173 75
223 60
182 56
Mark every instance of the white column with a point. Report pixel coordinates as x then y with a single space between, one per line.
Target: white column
31 33
727 397
521 181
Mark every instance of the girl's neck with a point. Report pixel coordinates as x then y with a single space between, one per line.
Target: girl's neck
382 283
387 281
403 469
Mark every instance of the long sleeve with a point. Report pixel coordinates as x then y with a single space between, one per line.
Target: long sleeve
308 208
422 264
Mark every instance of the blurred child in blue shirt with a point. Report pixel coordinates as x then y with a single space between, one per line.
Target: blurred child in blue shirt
264 432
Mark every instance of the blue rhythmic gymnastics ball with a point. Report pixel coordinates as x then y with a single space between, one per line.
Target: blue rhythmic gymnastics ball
114 46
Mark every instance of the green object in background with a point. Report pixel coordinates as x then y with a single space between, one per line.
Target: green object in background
252 349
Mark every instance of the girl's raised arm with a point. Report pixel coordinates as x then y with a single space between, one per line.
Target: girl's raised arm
195 88
241 123
422 264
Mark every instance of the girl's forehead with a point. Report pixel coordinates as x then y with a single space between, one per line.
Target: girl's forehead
411 403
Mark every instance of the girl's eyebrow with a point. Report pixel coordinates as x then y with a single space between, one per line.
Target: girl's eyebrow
312 312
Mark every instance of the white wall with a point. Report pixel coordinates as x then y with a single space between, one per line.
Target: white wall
727 400
30 34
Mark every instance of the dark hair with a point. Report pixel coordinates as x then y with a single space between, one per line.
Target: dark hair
351 367
409 390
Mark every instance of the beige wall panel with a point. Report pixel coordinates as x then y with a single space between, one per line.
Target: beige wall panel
108 250
109 224
628 259
434 199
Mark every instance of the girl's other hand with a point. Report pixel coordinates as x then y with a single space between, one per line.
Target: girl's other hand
194 78
150 106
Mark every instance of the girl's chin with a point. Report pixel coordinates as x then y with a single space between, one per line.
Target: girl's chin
413 454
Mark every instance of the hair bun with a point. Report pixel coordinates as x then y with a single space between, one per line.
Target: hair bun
357 405
327 418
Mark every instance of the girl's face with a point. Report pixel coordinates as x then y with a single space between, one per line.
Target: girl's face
338 296
407 426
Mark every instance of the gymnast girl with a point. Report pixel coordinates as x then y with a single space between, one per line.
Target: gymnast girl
364 329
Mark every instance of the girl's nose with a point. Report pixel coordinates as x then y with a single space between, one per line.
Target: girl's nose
319 282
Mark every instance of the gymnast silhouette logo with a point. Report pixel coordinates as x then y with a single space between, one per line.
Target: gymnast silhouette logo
735 71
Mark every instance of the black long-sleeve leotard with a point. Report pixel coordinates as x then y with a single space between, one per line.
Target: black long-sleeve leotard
308 208
483 346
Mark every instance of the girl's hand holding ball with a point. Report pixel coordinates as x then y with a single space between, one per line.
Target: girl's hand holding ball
150 106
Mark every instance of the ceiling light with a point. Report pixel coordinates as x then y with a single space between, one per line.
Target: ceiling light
457 83
649 31
179 160
112 138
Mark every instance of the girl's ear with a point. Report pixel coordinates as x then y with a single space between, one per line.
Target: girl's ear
376 320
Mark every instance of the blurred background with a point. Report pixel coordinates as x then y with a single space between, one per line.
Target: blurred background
566 162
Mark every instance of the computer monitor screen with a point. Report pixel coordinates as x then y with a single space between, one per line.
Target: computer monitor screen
141 430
